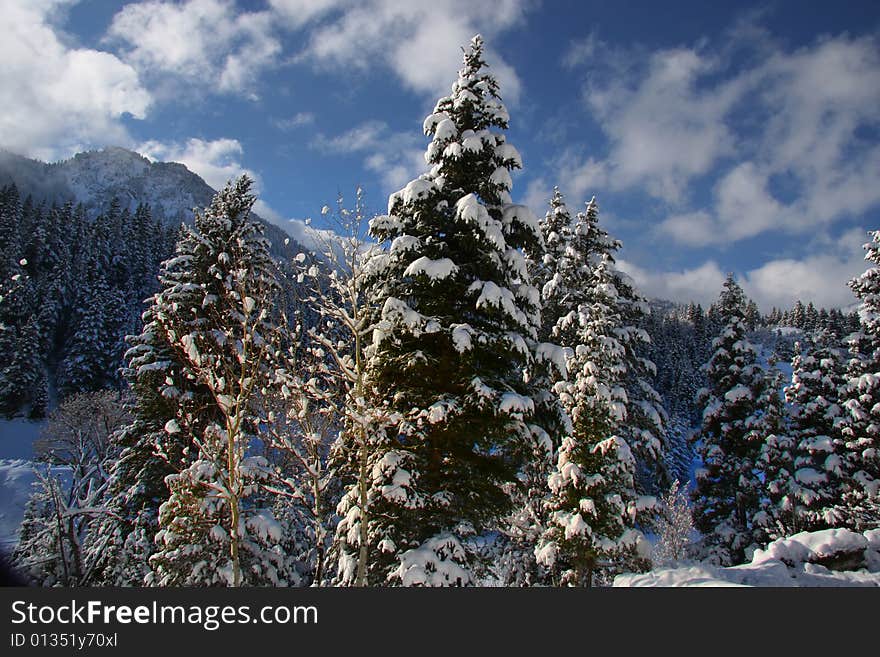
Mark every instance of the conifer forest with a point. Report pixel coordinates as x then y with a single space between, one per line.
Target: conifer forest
457 390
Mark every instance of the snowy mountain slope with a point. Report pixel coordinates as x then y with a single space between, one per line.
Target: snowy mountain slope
95 178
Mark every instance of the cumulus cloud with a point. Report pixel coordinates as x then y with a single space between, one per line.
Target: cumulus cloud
58 99
780 140
663 125
396 157
420 42
821 278
204 42
699 284
216 161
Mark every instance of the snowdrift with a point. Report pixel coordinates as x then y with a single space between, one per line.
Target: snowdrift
832 557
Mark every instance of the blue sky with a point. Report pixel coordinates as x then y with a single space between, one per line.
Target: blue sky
716 136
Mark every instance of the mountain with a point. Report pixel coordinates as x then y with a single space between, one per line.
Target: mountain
95 178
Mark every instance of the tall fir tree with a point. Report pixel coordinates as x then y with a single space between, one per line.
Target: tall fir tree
455 320
861 398
216 312
593 499
728 488
516 562
805 469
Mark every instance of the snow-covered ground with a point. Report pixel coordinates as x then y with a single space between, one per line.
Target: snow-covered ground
16 475
832 557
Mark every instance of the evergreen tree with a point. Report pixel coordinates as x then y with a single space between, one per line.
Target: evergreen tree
455 320
593 500
770 428
728 489
861 398
516 563
215 310
806 492
22 370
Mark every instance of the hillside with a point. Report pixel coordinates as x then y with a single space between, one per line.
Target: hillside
95 178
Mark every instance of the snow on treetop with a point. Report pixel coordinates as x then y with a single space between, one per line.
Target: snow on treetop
386 222
469 209
434 563
516 262
521 214
415 190
464 95
397 310
461 337
433 120
553 353
508 153
473 141
500 297
501 177
433 269
404 243
737 393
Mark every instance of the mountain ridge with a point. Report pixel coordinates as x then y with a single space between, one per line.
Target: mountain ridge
94 178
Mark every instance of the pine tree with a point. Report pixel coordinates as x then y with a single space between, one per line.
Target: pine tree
807 485
728 489
455 320
769 426
22 370
215 311
861 398
593 309
516 561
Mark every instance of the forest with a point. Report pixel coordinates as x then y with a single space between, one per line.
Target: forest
452 393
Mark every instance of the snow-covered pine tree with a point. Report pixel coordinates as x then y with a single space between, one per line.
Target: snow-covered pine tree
593 501
769 426
455 320
216 313
804 466
861 398
22 373
728 488
514 554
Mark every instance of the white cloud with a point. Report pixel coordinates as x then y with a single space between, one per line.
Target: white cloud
781 140
691 228
297 13
298 120
665 127
419 41
396 157
205 42
216 161
700 284
58 99
821 278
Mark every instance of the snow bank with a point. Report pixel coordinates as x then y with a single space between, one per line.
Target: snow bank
831 557
16 478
